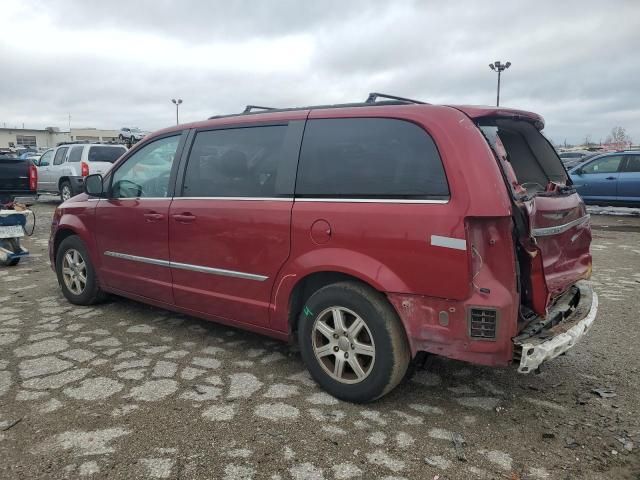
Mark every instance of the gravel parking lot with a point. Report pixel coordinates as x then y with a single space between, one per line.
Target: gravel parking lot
122 390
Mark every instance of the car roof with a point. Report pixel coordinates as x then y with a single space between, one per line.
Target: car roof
94 144
393 107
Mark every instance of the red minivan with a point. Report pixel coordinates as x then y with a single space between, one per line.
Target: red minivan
370 232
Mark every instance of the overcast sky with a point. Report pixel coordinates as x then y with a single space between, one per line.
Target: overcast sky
118 63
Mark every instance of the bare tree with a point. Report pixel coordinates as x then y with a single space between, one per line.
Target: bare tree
587 141
618 135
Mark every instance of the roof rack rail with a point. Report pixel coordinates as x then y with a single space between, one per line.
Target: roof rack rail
386 100
250 108
373 96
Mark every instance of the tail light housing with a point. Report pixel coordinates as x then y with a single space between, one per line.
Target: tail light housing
33 178
84 169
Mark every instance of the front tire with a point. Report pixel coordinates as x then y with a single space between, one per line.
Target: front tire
353 342
76 274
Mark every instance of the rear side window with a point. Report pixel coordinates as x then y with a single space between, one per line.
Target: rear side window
75 154
60 154
633 164
238 162
105 154
369 158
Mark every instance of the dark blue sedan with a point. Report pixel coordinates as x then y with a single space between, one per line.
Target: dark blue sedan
609 179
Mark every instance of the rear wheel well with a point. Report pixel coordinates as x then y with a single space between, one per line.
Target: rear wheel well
61 181
307 287
60 236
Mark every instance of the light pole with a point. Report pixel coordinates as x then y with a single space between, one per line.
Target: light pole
177 104
499 67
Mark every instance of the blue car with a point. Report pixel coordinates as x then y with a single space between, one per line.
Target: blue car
609 179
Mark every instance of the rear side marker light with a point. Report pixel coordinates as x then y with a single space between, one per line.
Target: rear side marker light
483 323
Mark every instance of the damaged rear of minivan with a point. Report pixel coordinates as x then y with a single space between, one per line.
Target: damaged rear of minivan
552 237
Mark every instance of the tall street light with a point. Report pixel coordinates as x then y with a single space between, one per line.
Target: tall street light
177 104
499 67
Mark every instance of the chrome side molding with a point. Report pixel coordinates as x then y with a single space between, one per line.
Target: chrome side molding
187 266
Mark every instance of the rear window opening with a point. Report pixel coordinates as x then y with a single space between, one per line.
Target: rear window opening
529 162
105 153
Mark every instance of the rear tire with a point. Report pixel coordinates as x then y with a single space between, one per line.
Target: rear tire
76 274
66 192
353 342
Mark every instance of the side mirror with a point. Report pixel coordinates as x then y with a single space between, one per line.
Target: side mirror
578 171
93 185
43 164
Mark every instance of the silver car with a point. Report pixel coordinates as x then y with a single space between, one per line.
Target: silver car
61 170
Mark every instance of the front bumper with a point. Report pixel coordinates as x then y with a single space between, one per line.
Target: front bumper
567 322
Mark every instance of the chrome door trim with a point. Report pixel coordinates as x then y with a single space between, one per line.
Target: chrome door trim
555 230
370 200
333 200
187 266
269 199
218 271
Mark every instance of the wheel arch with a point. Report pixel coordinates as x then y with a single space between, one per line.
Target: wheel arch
64 178
70 225
311 283
60 235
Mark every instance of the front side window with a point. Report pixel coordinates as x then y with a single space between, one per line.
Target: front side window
369 158
146 173
75 154
603 165
237 162
60 154
45 159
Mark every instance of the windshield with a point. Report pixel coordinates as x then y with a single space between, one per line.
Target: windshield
105 154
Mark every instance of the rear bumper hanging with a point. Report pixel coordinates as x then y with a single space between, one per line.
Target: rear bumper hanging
567 322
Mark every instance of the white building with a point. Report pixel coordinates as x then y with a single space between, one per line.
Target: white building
51 136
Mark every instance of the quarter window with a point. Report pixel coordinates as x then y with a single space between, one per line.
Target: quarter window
146 173
369 158
237 162
603 165
60 154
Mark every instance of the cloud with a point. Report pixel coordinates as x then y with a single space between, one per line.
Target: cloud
113 64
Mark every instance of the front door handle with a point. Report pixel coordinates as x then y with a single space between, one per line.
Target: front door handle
152 217
610 178
185 217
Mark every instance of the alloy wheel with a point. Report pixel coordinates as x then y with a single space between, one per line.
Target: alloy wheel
74 271
66 193
343 345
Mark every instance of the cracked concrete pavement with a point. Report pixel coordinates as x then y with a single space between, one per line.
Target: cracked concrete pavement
123 390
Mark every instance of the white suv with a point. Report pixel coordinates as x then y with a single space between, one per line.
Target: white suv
61 170
131 134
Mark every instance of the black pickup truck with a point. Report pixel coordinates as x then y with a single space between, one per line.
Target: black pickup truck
18 180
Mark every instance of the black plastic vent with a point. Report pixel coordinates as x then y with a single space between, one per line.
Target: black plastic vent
482 323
